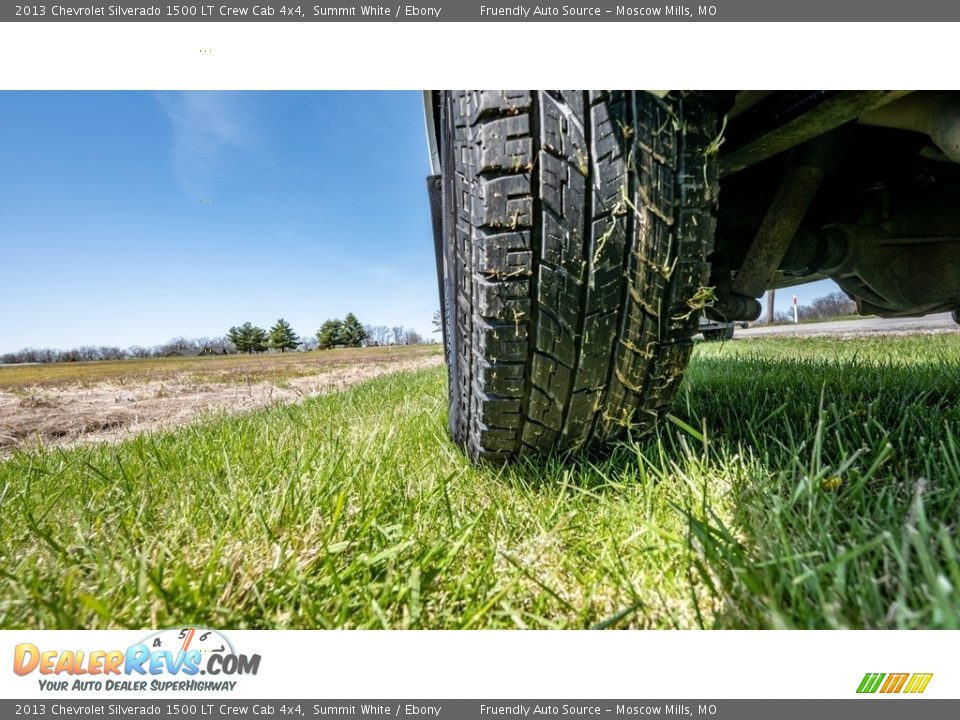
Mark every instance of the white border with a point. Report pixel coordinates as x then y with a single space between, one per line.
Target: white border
414 56
547 664
359 56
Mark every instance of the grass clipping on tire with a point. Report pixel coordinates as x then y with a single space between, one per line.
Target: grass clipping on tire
580 224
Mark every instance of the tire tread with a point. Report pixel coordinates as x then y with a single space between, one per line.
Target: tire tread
582 224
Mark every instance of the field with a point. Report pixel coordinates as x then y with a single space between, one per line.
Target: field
797 483
214 368
70 403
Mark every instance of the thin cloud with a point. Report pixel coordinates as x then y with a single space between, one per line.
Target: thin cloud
380 271
209 129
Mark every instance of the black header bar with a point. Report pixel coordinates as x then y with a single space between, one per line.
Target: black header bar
484 11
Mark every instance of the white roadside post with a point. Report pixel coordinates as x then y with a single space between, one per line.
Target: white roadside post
796 319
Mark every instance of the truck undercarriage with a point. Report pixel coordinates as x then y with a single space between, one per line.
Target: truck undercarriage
861 187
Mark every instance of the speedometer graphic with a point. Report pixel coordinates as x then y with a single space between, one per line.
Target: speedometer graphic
183 639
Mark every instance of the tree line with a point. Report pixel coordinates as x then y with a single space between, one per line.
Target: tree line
244 338
248 338
836 304
87 353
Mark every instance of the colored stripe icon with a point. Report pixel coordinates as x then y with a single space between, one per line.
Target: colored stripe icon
894 683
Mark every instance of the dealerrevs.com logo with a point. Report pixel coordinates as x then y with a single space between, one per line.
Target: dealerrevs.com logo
168 660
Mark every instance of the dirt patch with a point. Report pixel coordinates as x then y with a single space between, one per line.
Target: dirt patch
61 417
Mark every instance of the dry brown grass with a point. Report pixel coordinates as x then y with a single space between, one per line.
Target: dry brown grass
112 401
216 368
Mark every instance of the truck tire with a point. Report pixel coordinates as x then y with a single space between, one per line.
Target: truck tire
576 231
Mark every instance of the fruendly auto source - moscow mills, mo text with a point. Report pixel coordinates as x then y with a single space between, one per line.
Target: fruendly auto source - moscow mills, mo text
270 11
575 11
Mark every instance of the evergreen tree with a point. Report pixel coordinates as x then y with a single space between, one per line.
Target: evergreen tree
352 333
282 337
238 336
248 338
258 339
328 335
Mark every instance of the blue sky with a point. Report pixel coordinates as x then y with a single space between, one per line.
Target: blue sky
128 218
783 298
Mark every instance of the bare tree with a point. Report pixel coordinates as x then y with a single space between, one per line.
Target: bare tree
178 345
835 304
220 345
378 334
832 305
136 351
86 353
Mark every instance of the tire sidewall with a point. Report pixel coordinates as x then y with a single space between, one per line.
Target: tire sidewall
450 277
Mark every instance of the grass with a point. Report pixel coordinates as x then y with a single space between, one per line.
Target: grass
213 368
799 483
